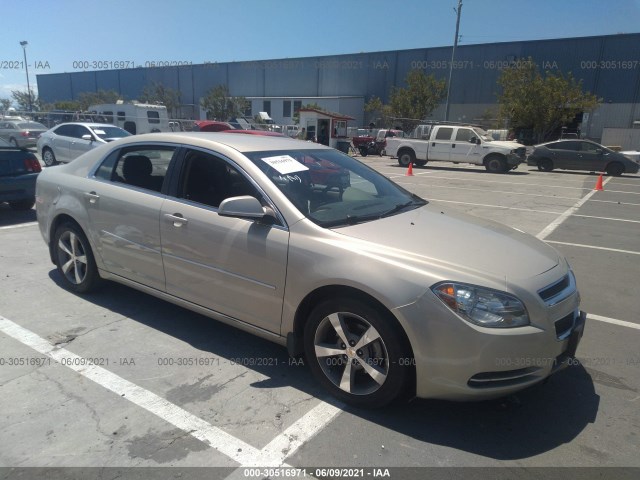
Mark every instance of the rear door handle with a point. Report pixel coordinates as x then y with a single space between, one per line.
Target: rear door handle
92 196
453 145
176 218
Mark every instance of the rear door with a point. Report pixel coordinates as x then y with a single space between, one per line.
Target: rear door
234 266
440 144
124 211
60 142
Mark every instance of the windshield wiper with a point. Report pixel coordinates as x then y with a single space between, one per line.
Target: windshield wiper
401 206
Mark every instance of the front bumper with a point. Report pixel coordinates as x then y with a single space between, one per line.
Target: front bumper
513 160
455 360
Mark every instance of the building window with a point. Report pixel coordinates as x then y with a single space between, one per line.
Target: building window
286 109
297 105
266 106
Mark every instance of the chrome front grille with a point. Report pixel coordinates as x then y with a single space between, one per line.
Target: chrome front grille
558 291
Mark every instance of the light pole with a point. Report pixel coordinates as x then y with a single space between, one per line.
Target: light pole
24 44
453 56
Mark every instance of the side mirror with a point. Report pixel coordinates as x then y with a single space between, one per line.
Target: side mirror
599 151
86 136
245 206
473 140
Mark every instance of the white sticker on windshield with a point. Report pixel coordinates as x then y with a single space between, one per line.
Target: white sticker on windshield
285 164
100 132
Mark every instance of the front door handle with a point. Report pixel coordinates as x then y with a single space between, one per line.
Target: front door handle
92 196
176 218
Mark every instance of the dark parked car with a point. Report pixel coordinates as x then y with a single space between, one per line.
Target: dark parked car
18 171
580 155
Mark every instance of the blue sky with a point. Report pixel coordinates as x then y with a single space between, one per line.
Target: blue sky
66 31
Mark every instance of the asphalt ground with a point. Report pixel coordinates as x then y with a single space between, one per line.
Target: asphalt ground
166 387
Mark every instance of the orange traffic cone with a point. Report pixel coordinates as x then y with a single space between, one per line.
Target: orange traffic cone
599 184
410 170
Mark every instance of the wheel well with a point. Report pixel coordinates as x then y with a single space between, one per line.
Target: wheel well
405 149
494 155
295 339
59 220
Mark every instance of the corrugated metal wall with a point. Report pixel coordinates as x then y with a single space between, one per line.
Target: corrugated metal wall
608 65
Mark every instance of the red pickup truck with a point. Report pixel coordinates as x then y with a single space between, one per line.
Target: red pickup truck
374 143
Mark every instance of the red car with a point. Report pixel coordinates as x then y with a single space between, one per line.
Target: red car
256 132
211 126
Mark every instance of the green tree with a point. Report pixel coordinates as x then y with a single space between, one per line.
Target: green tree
220 105
70 105
5 103
85 99
409 106
540 102
157 93
379 113
21 98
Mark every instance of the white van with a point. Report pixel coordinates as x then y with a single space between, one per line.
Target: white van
135 118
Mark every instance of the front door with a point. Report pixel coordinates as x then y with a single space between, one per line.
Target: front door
462 150
233 266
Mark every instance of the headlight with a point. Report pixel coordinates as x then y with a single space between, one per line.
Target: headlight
482 306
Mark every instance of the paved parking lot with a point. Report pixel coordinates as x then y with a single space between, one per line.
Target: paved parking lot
170 388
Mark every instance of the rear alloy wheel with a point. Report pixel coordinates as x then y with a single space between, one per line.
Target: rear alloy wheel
545 165
48 157
356 353
615 169
406 157
495 164
14 142
22 205
74 259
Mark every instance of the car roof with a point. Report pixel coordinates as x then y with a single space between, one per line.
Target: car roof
241 143
87 124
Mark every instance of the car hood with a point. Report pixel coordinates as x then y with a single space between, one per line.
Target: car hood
435 235
500 143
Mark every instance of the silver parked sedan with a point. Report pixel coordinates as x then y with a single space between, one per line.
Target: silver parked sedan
386 294
67 141
21 133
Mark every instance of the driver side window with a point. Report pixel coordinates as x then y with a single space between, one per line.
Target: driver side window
209 180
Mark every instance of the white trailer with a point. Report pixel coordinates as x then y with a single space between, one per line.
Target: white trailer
135 118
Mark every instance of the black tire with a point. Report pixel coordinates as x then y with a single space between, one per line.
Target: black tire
405 157
421 163
379 371
22 205
545 165
364 151
495 164
48 157
615 169
73 253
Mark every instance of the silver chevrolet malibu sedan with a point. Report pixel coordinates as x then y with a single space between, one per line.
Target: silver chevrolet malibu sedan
388 295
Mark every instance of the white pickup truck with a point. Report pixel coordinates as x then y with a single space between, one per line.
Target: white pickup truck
457 144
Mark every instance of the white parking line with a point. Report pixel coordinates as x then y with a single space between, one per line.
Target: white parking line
622 323
493 206
273 455
511 183
549 229
449 187
594 247
20 225
617 203
607 218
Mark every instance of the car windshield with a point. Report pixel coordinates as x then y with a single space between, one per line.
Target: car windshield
483 134
110 132
331 188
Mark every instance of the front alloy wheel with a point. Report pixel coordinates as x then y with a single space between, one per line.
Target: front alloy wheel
355 353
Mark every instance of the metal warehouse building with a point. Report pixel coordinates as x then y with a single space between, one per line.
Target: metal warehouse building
609 66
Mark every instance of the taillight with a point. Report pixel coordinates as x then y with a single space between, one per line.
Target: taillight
25 134
32 165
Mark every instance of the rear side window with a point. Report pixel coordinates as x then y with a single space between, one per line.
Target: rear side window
140 166
564 146
444 133
65 130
